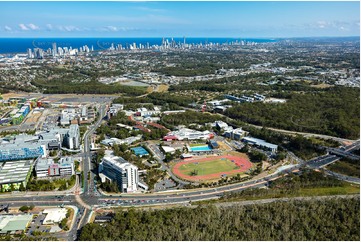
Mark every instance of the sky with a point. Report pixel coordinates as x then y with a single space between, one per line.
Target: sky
178 19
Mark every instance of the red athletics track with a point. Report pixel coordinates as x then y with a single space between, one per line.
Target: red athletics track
242 163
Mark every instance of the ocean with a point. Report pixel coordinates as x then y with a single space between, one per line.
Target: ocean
20 45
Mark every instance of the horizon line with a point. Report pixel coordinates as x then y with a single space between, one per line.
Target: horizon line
117 37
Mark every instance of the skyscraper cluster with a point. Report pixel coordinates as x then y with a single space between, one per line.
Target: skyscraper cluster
38 53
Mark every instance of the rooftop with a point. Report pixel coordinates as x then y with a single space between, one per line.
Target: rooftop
260 142
15 171
12 223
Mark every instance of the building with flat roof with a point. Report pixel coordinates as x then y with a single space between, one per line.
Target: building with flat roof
11 151
168 149
260 143
214 144
221 125
236 134
66 166
13 174
24 146
188 134
72 138
47 168
119 170
54 215
11 223
42 167
128 141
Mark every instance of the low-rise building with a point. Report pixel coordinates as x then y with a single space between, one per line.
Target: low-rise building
54 215
14 223
260 143
66 166
14 174
42 167
236 134
221 125
168 149
48 168
128 141
188 134
18 151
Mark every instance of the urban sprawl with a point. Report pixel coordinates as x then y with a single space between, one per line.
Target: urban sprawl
85 131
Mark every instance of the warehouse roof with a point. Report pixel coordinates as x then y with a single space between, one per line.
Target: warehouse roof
12 223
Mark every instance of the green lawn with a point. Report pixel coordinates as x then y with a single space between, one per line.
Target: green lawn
346 167
208 167
328 191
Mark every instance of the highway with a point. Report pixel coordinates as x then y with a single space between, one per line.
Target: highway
344 153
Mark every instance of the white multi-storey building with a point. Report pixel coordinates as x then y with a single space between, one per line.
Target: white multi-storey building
72 139
119 170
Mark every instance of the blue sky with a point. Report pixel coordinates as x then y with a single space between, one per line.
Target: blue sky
177 19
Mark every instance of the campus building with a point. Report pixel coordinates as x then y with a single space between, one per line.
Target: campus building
21 151
188 134
114 109
13 174
236 134
260 143
23 146
54 215
48 168
14 223
128 141
119 170
72 138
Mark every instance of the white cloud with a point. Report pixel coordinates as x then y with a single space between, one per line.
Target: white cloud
33 27
150 9
116 29
322 24
23 27
49 27
69 28
27 27
7 28
111 28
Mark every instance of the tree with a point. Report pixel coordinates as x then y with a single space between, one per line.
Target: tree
24 208
22 188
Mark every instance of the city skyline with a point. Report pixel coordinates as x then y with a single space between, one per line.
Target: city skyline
191 19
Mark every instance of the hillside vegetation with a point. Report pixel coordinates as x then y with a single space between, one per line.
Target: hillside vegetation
333 219
334 112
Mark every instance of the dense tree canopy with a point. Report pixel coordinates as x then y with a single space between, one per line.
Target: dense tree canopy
334 112
334 219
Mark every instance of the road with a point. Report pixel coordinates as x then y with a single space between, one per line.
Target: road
343 177
343 153
160 158
87 154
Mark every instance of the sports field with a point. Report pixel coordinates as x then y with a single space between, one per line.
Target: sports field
211 168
